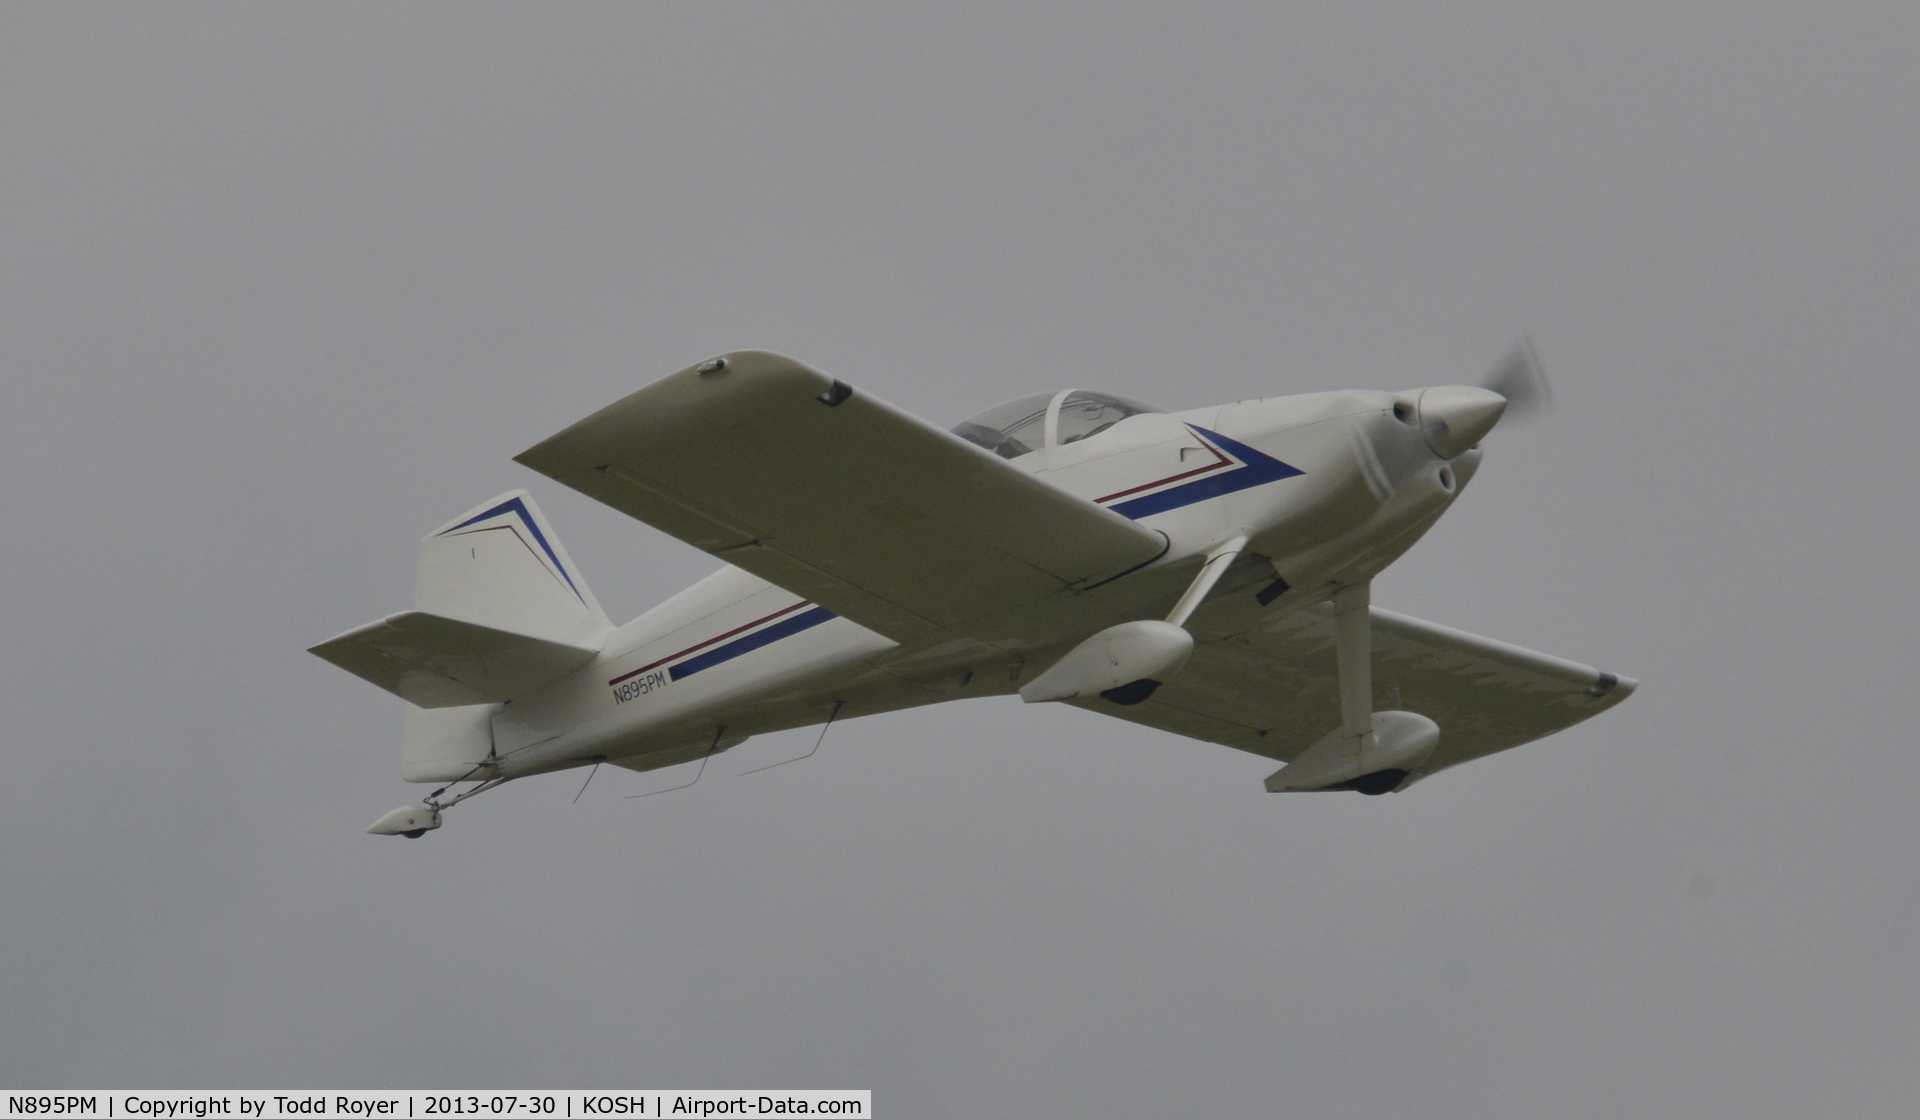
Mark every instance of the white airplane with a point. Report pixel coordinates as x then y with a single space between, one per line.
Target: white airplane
1202 572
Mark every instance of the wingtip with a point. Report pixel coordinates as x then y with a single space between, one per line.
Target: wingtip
1612 687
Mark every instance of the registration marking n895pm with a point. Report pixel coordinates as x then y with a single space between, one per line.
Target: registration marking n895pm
632 688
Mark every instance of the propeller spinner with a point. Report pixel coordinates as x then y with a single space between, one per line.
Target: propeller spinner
1521 379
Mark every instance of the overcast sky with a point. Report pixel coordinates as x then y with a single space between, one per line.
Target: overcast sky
284 288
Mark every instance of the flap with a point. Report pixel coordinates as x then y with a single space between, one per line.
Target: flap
840 498
437 662
1273 690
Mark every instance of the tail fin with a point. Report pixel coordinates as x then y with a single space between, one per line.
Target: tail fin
498 612
499 565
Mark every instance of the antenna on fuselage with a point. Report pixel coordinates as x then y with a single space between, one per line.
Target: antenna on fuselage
717 732
583 785
837 704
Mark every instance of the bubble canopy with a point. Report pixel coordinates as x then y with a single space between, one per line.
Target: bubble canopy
1020 427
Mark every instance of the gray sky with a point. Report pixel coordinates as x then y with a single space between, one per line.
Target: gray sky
283 288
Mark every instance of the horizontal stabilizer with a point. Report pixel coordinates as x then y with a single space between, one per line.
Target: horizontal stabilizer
438 662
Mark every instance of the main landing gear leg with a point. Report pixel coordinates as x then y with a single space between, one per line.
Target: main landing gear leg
1124 664
1371 752
1353 657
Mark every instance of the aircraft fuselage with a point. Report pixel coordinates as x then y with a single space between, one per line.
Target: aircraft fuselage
1327 489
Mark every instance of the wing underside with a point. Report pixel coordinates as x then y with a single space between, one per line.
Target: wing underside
1272 690
836 496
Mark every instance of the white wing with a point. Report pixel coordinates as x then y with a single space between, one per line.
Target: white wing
836 496
1271 689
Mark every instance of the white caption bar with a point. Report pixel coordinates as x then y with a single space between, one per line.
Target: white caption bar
275 1104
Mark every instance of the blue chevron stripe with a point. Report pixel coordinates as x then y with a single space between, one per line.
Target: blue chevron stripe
516 506
1256 469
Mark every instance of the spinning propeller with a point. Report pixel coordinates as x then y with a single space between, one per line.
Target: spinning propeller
1521 379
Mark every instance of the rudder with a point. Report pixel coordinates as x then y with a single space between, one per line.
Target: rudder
500 565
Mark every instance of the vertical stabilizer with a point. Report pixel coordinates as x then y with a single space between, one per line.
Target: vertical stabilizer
500 565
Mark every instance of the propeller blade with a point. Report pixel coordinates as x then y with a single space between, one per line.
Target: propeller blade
1521 379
